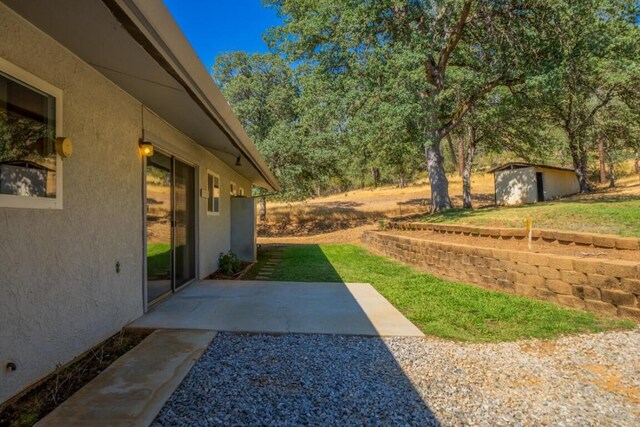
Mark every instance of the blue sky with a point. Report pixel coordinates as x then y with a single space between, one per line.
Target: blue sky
214 27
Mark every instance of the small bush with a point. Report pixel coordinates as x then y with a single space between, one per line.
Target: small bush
229 263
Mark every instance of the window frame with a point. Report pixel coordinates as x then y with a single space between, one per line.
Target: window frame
28 79
211 191
233 188
241 191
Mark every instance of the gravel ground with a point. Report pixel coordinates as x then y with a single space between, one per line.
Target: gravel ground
334 380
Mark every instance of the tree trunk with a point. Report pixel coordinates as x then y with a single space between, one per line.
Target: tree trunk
466 174
375 174
452 150
601 157
401 181
636 165
263 208
579 157
460 155
612 175
437 177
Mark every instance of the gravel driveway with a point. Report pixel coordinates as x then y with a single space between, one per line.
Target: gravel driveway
337 380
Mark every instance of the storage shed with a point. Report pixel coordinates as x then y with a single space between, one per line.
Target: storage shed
519 183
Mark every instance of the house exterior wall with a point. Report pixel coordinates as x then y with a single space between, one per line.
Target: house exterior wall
60 293
214 230
515 186
558 183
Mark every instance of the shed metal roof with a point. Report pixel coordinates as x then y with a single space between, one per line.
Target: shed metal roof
520 165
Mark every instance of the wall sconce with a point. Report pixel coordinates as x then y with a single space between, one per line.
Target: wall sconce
238 161
64 147
146 148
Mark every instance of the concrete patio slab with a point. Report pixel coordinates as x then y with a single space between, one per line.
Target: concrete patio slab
134 388
280 307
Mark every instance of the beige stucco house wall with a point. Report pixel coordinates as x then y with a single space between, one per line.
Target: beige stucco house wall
60 293
517 183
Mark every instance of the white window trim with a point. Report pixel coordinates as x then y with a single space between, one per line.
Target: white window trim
215 175
12 201
241 191
232 186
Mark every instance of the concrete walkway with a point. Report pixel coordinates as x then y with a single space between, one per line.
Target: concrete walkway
134 388
280 307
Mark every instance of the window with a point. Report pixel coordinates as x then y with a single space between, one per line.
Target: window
30 120
241 191
213 185
233 188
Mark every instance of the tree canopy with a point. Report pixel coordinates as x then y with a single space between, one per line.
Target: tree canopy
357 91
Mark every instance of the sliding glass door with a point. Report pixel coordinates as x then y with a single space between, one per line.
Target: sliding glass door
184 229
170 207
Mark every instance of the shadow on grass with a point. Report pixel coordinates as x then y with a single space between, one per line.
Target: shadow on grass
449 310
299 263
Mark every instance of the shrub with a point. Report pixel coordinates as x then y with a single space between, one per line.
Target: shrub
229 263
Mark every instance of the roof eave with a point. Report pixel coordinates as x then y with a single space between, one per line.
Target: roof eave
153 27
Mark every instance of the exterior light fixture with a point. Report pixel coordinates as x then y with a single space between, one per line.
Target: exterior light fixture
64 147
146 148
238 161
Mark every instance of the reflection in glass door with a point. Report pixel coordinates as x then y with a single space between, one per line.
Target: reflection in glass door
170 188
184 229
159 217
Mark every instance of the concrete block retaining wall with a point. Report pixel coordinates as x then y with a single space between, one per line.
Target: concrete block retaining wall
610 287
550 236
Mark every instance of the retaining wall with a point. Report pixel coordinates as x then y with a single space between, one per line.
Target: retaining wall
551 236
610 287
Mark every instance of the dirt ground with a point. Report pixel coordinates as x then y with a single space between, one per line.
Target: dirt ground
349 235
359 208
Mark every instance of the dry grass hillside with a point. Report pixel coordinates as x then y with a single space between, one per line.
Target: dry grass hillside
361 207
342 217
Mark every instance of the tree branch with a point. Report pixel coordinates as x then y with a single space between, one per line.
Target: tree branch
468 105
454 38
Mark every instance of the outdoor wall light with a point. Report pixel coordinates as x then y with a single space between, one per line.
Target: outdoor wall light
238 161
146 148
64 147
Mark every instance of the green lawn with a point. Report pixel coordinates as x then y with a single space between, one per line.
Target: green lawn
438 307
607 215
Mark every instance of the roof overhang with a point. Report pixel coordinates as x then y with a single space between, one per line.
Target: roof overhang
138 45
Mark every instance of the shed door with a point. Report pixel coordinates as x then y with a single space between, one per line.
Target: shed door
540 185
